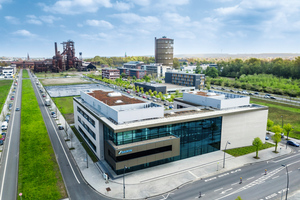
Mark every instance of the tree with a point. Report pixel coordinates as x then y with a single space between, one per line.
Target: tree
257 143
276 138
155 92
147 78
176 64
269 124
134 77
238 198
288 128
122 75
211 72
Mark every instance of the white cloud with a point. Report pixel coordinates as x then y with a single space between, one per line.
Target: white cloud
24 33
49 19
32 19
99 36
141 2
185 35
3 1
176 18
99 23
130 18
12 20
72 7
80 25
122 6
173 2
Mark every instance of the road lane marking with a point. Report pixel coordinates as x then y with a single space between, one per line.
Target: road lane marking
234 184
218 189
275 177
10 136
213 178
226 190
58 137
250 178
165 197
271 196
223 175
235 171
285 158
193 174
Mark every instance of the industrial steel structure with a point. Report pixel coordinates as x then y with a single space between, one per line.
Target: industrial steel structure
61 61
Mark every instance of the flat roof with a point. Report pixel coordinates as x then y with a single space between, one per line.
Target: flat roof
204 94
173 86
113 100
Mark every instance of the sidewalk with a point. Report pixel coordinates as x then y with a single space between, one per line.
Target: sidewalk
161 179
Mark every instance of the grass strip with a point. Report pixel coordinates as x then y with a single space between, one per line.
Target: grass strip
39 173
25 74
290 114
4 88
246 150
65 106
85 146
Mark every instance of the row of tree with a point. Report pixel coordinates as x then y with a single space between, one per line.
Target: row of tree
119 61
262 83
278 67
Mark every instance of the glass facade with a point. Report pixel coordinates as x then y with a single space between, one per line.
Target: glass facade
196 138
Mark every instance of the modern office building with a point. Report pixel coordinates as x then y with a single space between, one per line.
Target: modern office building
164 51
124 131
156 69
110 73
133 65
186 79
138 73
152 86
7 72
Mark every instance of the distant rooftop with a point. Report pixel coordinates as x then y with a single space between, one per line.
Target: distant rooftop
113 98
204 94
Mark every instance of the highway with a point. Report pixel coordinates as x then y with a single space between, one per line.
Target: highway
10 155
76 186
255 183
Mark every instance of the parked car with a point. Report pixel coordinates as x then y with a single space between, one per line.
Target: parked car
273 97
3 134
267 138
1 142
18 109
231 90
292 143
144 97
12 98
267 97
256 93
54 115
60 127
7 117
149 98
43 95
2 138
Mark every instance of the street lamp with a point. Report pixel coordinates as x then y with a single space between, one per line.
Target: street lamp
281 121
224 153
287 182
124 182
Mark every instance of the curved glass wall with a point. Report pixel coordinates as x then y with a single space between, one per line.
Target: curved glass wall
196 138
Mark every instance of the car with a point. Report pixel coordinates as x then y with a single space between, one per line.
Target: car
154 100
239 92
231 90
267 97
128 92
3 134
60 127
250 93
1 142
7 117
273 97
149 98
144 97
2 138
12 98
43 95
18 109
212 87
222 88
14 92
41 91
15 88
267 138
256 93
292 143
54 115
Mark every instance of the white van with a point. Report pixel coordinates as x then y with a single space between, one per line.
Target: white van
4 125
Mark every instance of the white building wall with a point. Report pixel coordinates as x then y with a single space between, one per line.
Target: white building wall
241 128
98 129
231 103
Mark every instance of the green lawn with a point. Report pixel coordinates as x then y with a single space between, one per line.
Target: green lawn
246 150
4 88
290 114
25 74
65 106
54 75
39 174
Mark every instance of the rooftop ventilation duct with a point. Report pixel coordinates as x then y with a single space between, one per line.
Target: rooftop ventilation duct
119 101
114 94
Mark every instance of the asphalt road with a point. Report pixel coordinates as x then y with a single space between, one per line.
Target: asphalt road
255 184
10 155
76 187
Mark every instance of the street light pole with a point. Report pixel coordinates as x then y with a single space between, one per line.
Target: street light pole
281 121
87 160
287 182
224 153
124 182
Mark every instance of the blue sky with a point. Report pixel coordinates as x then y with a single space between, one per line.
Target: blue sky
111 28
